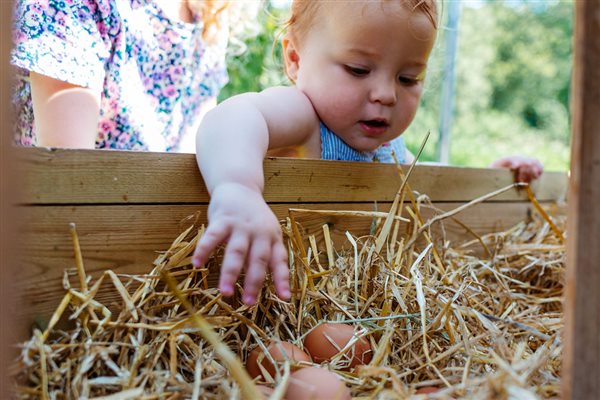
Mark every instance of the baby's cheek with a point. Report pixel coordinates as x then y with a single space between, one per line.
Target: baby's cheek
406 110
336 111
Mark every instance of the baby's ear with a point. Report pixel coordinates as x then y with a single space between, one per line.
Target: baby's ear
291 57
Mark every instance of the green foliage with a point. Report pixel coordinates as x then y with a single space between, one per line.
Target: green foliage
512 87
534 59
259 66
513 75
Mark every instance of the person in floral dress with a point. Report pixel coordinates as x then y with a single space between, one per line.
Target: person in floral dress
117 74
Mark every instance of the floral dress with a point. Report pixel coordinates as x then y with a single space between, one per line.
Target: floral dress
154 74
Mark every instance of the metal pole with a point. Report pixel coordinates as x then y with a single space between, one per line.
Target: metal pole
447 106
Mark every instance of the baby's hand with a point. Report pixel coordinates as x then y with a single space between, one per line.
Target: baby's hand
526 169
240 217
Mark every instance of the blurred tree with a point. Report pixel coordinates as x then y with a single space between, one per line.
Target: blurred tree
533 58
513 77
259 65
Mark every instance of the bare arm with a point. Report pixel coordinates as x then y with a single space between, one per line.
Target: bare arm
231 145
234 137
66 115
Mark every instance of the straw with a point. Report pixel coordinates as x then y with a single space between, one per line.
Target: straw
435 313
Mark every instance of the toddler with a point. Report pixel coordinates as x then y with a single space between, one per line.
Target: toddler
358 69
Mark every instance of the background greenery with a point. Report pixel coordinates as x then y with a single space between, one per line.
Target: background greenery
513 74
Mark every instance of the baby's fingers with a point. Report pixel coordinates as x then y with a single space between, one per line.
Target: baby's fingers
280 270
213 236
258 259
504 162
524 175
233 261
529 172
537 169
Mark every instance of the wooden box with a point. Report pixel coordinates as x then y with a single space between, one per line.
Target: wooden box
128 206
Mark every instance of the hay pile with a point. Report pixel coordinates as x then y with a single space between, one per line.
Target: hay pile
435 313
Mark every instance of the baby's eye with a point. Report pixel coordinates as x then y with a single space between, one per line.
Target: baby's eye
356 71
407 81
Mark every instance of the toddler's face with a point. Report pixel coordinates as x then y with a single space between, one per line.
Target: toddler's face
362 66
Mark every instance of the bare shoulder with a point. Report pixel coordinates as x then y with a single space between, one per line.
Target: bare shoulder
274 100
287 99
284 111
289 114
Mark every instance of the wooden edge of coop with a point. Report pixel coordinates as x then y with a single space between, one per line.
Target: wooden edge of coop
581 359
129 206
7 188
95 177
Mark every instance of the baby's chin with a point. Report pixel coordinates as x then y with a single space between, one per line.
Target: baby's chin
364 144
368 147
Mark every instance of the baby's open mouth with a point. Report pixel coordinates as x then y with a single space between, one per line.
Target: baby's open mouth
375 123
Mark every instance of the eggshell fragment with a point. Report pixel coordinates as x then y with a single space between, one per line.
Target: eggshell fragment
292 352
326 340
314 383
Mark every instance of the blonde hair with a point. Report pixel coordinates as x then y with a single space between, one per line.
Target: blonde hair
208 12
304 12
240 19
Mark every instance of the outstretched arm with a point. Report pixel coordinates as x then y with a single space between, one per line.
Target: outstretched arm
231 144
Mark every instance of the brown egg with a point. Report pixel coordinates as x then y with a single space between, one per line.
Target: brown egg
427 390
292 352
430 389
265 391
326 340
314 383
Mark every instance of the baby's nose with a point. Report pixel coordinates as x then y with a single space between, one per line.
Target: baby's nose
384 92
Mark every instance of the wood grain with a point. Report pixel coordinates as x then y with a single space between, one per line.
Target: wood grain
116 177
127 239
581 362
128 206
8 179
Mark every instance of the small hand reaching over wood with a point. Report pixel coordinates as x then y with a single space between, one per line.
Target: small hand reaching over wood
525 169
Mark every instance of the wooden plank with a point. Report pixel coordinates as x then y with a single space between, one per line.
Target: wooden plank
581 365
117 177
129 205
127 239
7 215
